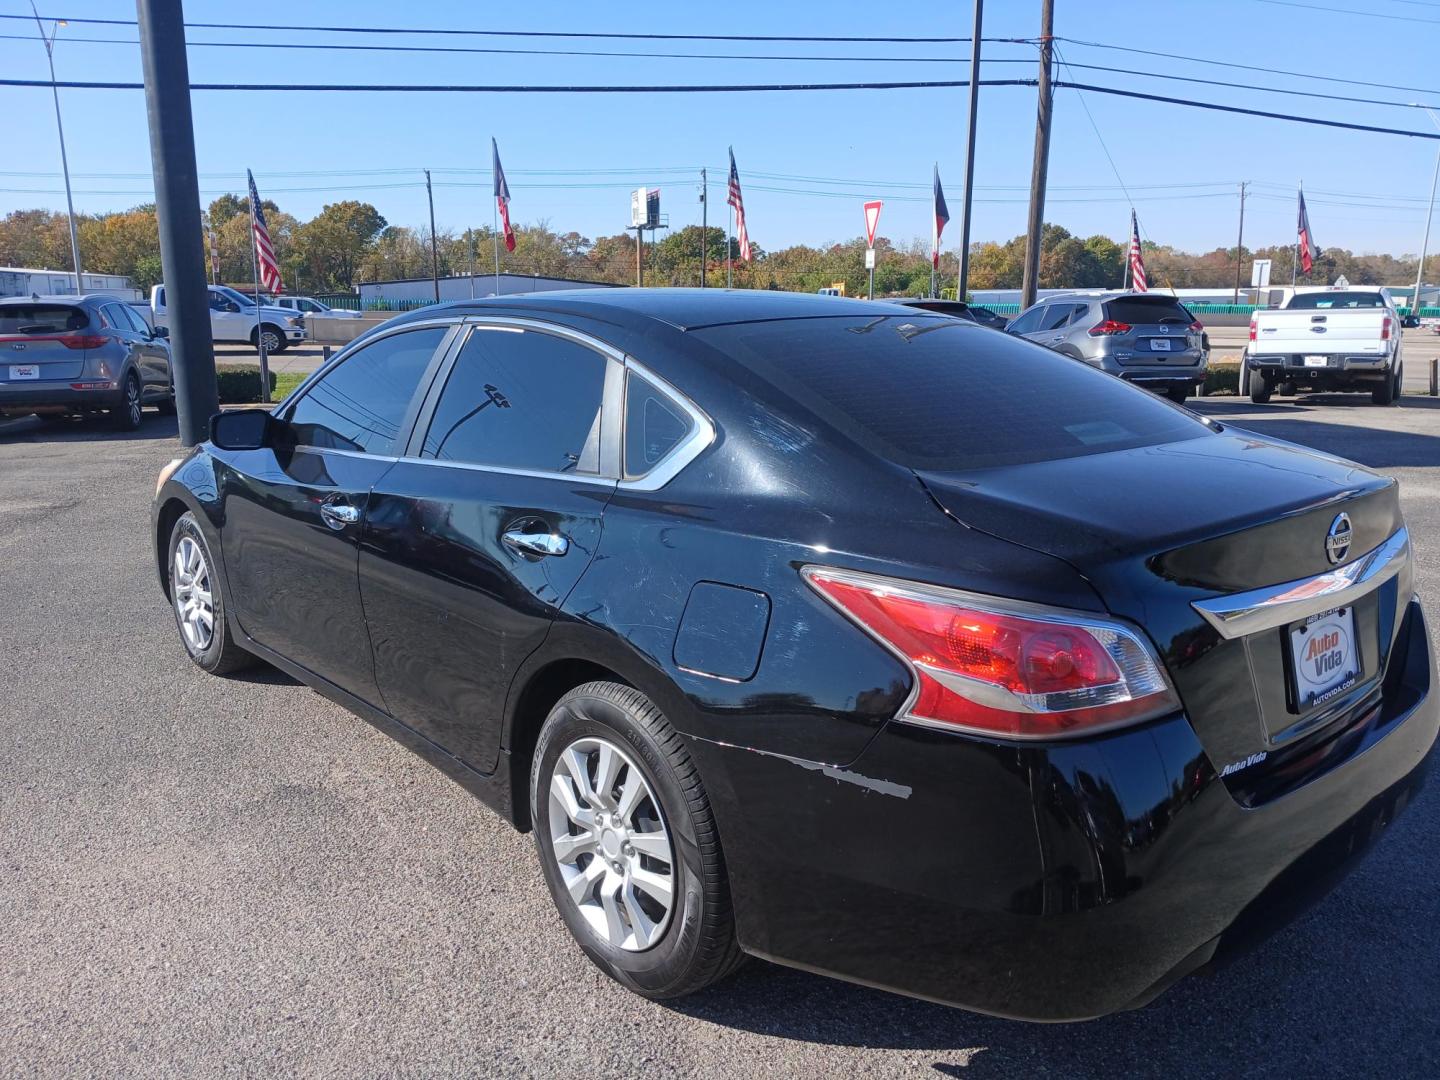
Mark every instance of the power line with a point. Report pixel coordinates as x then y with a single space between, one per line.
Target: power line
1350 11
418 88
464 49
520 33
1245 112
1246 67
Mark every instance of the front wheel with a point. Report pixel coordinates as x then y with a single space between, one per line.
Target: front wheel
195 596
272 337
628 843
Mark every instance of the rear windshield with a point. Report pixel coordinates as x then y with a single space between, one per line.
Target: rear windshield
41 318
936 393
1328 300
1138 311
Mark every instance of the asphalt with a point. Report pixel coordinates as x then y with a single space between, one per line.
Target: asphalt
204 876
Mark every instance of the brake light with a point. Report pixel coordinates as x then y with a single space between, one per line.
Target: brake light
1196 326
995 668
82 341
1385 329
1252 327
98 384
1109 326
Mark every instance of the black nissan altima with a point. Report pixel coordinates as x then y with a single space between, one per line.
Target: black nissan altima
861 639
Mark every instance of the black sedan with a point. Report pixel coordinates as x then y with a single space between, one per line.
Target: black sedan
864 640
959 309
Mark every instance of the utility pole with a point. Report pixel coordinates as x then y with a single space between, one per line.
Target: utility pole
434 246
1425 243
639 256
1036 223
177 209
1240 243
704 226
470 236
962 283
60 131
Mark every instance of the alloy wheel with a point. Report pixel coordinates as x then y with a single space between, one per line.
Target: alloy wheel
609 837
271 340
132 401
194 605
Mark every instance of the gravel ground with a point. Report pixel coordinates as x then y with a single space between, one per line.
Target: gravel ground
202 876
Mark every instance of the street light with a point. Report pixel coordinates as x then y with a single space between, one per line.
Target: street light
60 129
1420 269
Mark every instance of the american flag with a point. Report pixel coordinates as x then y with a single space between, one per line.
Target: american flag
942 218
502 195
1138 282
264 250
1308 250
734 199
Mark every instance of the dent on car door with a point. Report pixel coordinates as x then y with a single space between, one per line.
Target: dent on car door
474 541
292 513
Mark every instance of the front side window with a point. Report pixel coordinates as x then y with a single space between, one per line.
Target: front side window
654 425
521 399
135 319
360 404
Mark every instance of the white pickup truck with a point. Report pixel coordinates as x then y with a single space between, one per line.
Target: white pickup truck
233 319
1329 338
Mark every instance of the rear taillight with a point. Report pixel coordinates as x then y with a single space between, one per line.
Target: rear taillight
1252 327
1012 670
1196 326
1385 329
94 384
82 341
1109 326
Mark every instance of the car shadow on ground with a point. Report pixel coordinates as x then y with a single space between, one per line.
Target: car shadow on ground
36 429
1372 443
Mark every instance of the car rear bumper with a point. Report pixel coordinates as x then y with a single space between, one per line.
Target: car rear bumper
1055 882
57 397
1293 366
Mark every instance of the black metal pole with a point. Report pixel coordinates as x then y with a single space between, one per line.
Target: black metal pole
962 283
177 207
434 248
1035 226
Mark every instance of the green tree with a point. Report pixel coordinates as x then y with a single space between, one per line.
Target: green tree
331 246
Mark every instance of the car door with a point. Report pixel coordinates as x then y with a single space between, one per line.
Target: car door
228 325
152 353
292 514
1050 331
474 539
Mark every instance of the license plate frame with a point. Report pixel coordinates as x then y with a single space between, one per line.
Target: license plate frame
23 372
1160 344
1315 360
1323 658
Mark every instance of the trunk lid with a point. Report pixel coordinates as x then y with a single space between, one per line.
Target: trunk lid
1159 330
1158 529
42 342
1312 331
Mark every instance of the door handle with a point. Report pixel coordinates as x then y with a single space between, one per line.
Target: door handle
337 514
536 543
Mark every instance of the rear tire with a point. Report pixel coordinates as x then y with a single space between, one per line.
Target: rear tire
1178 394
126 415
1260 390
1387 391
197 599
608 770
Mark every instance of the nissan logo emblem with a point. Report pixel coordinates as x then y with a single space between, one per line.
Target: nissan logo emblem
1337 540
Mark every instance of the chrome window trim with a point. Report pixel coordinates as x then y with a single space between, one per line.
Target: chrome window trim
366 338
502 470
1241 614
702 434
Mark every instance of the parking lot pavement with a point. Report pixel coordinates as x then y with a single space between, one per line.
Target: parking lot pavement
203 875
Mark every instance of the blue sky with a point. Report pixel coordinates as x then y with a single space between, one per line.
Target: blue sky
808 160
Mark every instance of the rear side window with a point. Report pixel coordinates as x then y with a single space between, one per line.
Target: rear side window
654 426
1335 301
935 393
1139 312
1028 322
360 405
521 400
27 319
1059 315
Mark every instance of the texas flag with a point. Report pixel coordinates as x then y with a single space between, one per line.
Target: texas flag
942 218
1308 250
502 196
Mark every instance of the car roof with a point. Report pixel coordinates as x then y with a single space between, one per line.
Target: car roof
683 309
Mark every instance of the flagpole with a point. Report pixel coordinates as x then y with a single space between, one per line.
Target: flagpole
729 262
935 236
495 238
1125 269
259 327
1295 253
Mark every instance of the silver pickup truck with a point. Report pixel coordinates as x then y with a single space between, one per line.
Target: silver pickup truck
1334 338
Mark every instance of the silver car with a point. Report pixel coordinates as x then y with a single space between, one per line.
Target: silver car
77 355
1145 338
